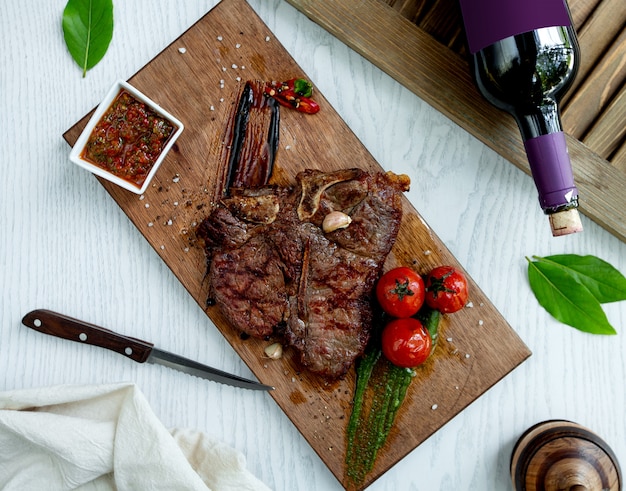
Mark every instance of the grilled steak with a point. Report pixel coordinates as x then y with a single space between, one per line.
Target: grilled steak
274 271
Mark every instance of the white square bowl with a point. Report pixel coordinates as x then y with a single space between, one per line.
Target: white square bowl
79 146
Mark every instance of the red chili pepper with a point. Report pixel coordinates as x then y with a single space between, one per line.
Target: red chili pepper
295 93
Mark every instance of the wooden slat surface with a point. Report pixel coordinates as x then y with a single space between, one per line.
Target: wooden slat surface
417 42
581 10
595 34
592 96
467 362
610 129
619 158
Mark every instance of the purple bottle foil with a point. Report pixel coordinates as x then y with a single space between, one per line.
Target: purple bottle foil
555 182
489 21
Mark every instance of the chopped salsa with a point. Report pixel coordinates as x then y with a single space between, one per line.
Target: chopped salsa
128 139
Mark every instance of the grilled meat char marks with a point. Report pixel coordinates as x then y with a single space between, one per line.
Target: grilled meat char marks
281 275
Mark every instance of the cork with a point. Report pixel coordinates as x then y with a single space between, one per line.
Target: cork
565 222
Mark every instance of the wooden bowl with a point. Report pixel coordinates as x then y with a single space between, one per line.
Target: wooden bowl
563 456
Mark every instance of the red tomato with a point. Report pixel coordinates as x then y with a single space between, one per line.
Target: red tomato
446 289
406 342
400 292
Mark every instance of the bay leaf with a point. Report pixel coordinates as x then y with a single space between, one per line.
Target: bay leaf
564 297
603 280
88 30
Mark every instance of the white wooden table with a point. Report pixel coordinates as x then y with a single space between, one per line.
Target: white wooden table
64 245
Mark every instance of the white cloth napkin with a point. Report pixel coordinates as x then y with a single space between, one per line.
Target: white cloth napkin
106 437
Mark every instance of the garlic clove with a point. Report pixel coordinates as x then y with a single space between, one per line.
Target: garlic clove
335 220
274 351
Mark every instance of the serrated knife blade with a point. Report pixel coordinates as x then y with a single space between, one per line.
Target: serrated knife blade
62 326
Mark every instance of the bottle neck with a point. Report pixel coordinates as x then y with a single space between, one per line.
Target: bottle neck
552 171
538 120
546 149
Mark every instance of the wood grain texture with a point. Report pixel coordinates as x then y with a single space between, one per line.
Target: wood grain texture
596 35
619 158
466 364
557 455
609 131
581 10
595 93
441 77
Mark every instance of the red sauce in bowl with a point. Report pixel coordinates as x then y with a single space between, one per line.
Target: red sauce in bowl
128 139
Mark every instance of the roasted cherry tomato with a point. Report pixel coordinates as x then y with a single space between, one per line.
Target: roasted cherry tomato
446 289
400 292
406 342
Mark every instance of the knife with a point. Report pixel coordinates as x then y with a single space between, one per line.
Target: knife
65 327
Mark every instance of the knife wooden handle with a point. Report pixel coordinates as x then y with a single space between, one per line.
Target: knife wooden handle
65 327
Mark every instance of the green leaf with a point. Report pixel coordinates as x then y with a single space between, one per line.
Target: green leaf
88 30
605 282
566 298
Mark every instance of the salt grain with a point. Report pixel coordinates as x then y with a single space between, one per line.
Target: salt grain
427 252
237 45
467 355
150 224
469 305
233 66
219 38
480 322
267 38
434 406
147 205
182 50
212 108
141 197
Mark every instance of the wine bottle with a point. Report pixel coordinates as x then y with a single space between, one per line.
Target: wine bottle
524 56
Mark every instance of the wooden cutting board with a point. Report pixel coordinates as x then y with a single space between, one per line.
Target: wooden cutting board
199 84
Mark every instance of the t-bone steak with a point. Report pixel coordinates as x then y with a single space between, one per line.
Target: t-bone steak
275 272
